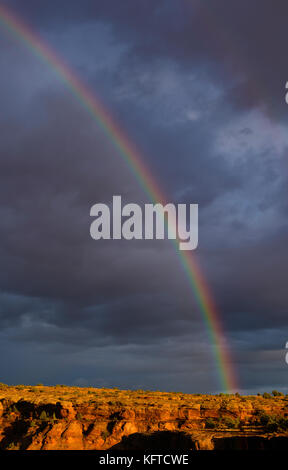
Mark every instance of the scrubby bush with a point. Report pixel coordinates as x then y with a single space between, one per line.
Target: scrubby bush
43 416
263 419
272 423
105 434
275 393
231 423
12 446
225 422
210 423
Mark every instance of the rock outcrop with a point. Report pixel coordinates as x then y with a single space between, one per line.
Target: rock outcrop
71 418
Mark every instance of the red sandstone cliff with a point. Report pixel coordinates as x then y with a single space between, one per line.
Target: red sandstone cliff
58 418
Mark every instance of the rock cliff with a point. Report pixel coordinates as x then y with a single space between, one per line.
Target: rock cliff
72 418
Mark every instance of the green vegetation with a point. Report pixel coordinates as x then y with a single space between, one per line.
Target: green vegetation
222 422
12 446
211 423
275 393
268 411
43 416
272 423
105 434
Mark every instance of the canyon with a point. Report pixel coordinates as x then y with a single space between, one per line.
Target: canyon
76 418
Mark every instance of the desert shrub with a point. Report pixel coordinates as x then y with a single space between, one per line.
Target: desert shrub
226 422
272 423
43 416
210 423
12 409
12 446
283 423
224 404
105 434
266 395
263 419
275 393
231 423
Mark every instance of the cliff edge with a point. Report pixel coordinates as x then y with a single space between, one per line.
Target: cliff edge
74 418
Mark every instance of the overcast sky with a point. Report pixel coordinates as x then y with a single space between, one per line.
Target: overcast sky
199 88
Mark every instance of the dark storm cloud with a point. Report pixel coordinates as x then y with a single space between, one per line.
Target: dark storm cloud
192 85
58 169
49 184
232 40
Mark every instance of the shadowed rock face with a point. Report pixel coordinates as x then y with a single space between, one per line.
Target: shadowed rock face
71 418
173 441
164 440
250 443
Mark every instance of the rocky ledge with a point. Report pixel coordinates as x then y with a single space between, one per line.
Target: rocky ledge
74 418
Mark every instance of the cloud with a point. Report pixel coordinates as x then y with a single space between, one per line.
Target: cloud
199 91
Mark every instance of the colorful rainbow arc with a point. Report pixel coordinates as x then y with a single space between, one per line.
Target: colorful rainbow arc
130 154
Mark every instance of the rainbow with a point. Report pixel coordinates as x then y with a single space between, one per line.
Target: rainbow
130 154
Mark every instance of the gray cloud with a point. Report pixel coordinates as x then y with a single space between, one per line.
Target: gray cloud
200 92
